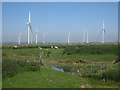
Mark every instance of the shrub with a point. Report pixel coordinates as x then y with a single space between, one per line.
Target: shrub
68 53
9 68
34 66
48 54
99 49
82 61
112 74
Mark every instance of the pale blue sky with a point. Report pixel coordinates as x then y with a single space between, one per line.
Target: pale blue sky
57 19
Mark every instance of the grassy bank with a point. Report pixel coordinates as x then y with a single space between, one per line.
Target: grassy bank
49 78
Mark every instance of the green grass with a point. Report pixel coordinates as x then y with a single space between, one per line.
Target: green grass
55 57
40 79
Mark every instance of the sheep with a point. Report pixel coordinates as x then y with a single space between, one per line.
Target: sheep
56 47
51 46
15 46
77 70
40 48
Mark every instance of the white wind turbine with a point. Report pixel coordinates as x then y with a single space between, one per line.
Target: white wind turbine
68 37
19 38
36 35
86 36
29 26
83 37
103 31
44 35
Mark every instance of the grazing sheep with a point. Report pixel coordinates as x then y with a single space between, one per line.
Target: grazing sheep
40 48
15 46
77 70
51 46
56 47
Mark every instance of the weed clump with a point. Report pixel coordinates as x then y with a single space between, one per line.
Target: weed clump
48 54
34 66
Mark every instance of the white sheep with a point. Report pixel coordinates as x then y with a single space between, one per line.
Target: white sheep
51 46
56 47
40 48
15 46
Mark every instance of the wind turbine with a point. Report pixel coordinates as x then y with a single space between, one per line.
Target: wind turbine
85 32
68 37
103 31
29 26
19 38
83 37
87 36
36 35
44 35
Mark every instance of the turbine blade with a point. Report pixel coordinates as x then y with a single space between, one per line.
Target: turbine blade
29 16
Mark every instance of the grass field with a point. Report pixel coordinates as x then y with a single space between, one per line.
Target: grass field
71 58
48 78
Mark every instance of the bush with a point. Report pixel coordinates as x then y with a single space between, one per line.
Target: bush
112 74
9 68
48 54
98 49
34 66
82 61
68 53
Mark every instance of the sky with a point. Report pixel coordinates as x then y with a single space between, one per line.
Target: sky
57 19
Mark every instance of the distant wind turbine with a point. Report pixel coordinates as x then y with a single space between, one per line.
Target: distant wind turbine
19 38
36 35
83 37
85 32
87 36
44 36
103 31
68 37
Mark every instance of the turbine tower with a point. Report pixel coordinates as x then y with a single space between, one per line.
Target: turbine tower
68 37
29 27
103 31
83 37
85 32
36 35
44 35
19 38
87 36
